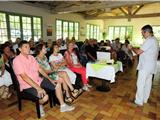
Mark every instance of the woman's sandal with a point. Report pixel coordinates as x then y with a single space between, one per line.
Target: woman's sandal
75 93
68 99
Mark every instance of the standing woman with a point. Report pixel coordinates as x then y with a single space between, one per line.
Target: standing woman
74 64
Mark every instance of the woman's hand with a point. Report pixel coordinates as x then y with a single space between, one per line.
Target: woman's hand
78 66
54 82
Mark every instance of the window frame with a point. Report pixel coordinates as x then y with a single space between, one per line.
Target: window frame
126 27
62 30
92 35
21 29
158 37
4 29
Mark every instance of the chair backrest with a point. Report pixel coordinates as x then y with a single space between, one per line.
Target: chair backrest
14 77
103 55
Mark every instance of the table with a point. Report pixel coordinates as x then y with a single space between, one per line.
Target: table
103 71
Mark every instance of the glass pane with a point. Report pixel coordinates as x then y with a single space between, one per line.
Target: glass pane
94 32
26 26
111 33
11 18
65 30
156 31
76 31
98 33
122 33
88 31
3 28
37 27
14 22
59 22
129 32
71 30
91 31
16 18
116 32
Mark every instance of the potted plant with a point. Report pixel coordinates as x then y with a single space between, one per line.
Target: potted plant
104 35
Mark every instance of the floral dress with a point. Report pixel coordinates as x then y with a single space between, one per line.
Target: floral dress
45 65
58 59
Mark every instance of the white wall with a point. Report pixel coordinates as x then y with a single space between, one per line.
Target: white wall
48 18
137 23
29 10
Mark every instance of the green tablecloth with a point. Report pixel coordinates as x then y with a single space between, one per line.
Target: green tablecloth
100 65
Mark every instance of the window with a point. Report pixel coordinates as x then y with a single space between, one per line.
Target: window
67 29
76 30
156 31
23 26
3 28
37 28
93 31
14 23
26 25
122 32
58 29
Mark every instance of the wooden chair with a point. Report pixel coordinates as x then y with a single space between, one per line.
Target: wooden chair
21 95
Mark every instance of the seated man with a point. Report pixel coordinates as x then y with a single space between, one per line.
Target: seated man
27 71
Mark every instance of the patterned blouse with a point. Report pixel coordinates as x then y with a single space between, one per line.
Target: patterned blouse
45 65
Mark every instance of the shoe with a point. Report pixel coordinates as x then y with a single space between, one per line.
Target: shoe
42 111
75 93
69 100
90 86
85 88
139 104
65 108
145 101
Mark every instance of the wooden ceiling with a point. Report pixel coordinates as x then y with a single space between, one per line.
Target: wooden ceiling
96 9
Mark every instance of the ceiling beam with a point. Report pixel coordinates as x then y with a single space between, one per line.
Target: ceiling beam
123 17
123 11
101 5
140 7
36 4
129 13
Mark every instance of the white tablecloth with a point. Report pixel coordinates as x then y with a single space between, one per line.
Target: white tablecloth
105 71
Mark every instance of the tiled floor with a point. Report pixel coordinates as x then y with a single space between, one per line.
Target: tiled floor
114 105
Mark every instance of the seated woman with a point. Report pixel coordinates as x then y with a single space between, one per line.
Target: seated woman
74 64
5 80
57 62
56 75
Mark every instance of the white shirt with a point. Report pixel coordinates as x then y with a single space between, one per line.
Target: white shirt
148 59
63 47
74 58
56 59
